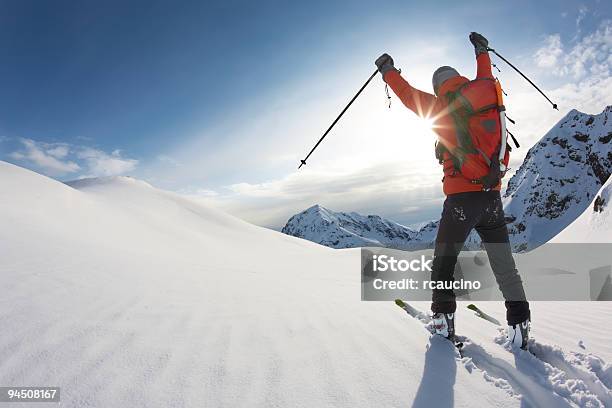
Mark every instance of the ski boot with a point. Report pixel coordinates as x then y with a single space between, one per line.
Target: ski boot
444 325
518 334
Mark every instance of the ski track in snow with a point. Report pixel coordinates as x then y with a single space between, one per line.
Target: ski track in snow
584 367
568 383
517 381
540 377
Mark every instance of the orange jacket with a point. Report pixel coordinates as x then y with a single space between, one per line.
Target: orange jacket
427 105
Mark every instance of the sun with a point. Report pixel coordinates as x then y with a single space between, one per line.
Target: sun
424 125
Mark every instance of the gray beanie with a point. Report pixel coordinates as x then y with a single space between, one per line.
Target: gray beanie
441 75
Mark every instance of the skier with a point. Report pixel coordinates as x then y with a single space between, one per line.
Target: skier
467 117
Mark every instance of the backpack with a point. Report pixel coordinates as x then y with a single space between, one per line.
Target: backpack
481 152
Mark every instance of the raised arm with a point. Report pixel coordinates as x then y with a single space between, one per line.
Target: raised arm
421 103
483 66
483 61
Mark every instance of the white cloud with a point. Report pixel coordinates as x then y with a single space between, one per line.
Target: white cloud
61 159
392 189
582 12
590 56
60 151
100 163
581 80
548 55
45 157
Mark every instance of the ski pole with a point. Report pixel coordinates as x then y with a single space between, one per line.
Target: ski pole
554 105
303 162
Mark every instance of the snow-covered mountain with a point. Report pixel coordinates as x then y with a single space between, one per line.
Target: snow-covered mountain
555 184
347 230
559 177
124 295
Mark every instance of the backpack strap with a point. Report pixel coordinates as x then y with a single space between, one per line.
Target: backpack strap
490 107
460 117
493 177
440 149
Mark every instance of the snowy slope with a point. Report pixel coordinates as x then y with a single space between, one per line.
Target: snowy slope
555 184
593 225
128 296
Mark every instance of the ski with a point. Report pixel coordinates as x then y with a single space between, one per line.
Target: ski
483 315
494 321
427 322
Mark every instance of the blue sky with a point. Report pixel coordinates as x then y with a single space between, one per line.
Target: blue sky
219 101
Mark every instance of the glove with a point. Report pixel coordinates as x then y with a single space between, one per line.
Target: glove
481 44
384 64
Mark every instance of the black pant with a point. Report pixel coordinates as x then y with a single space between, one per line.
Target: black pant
482 210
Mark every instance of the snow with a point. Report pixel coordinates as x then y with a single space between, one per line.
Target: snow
592 226
128 296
